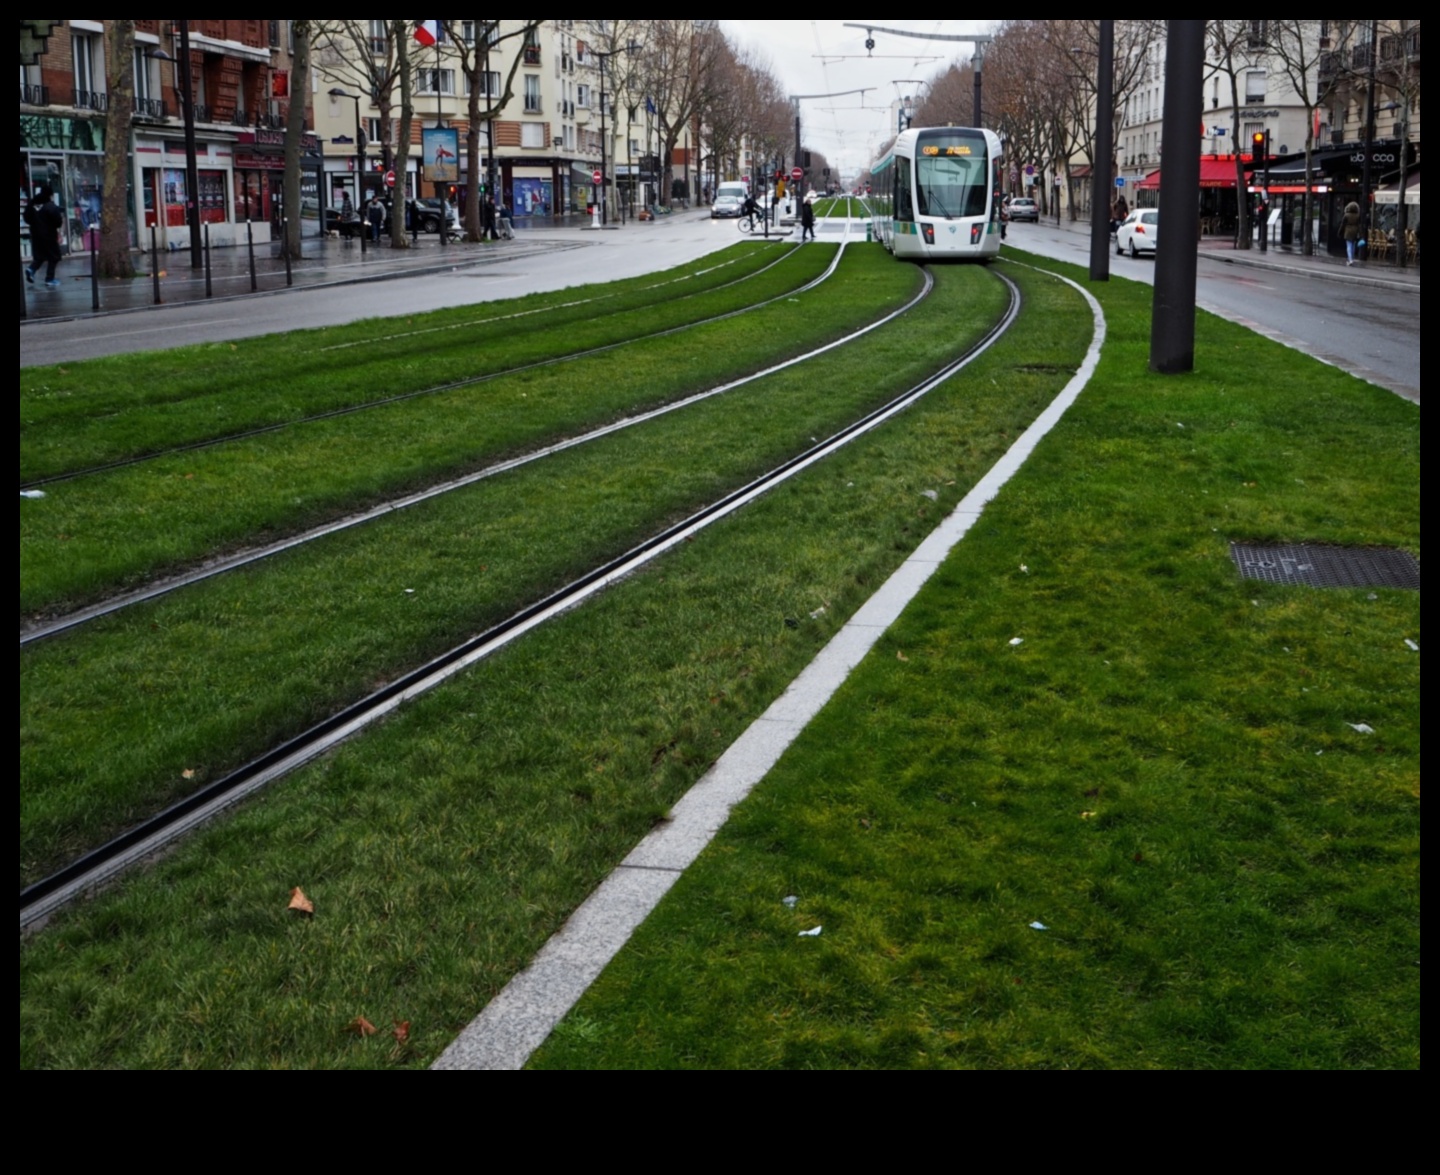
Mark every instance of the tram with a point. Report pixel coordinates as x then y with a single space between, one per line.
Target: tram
935 194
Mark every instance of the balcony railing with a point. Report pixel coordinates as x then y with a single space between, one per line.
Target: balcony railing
532 54
1329 66
533 106
35 95
149 108
90 100
1360 56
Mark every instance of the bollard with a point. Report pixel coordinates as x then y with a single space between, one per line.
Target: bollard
94 234
250 240
24 309
209 289
285 249
155 263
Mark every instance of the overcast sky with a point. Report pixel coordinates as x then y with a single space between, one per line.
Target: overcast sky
824 57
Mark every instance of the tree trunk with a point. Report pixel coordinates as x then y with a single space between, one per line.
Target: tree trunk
400 31
114 259
294 137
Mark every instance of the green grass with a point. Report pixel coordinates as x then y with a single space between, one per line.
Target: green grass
80 415
94 536
207 677
1162 773
444 847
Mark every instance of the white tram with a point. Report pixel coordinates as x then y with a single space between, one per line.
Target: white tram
935 195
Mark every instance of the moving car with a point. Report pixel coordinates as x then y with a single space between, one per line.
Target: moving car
726 205
1138 233
1024 208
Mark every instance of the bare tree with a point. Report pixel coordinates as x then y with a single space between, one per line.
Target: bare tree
400 34
301 32
678 60
1294 46
1232 50
114 256
473 42
362 54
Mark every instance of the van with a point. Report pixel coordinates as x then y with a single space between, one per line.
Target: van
732 188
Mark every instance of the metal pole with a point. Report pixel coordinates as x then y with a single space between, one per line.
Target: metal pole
250 241
94 269
1100 177
24 309
289 275
155 263
209 290
192 173
359 188
1172 318
603 176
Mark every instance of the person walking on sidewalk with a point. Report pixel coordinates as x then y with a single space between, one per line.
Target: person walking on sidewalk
375 216
807 218
1351 221
45 221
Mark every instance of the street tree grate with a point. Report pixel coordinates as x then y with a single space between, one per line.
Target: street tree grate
1328 567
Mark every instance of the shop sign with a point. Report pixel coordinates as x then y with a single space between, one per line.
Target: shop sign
40 132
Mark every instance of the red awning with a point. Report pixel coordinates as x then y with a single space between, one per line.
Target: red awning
1214 173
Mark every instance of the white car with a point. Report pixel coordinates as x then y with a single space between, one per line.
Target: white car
1138 233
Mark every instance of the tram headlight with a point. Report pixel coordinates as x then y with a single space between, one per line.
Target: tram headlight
975 231
929 231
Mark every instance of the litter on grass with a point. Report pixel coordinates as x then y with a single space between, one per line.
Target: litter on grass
1361 727
931 494
1411 645
813 932
1025 569
1038 926
32 493
790 901
409 591
1017 640
819 612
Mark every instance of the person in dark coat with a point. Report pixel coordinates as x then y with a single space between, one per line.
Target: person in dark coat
45 221
807 218
1351 221
487 220
375 215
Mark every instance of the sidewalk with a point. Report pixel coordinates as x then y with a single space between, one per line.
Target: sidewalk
327 261
1377 274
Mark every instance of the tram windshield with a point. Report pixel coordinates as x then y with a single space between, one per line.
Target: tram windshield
952 175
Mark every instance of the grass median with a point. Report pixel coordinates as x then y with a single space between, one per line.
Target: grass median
76 416
98 535
442 848
1094 802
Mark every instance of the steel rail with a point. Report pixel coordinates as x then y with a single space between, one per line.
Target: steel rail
100 865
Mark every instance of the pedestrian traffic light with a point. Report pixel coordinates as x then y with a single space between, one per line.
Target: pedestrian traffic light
1260 146
805 160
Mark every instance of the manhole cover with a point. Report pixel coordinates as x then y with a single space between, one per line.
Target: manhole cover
1319 566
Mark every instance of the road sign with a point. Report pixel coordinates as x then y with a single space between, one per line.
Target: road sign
1119 181
389 179
797 174
597 175
745 179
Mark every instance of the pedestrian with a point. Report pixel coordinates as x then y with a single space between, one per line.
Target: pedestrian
487 220
375 215
807 218
504 229
1351 221
45 221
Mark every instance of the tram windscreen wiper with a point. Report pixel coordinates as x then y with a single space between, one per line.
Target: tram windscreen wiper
932 198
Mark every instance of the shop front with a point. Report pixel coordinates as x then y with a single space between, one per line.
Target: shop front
1217 204
535 188
68 154
1337 176
259 183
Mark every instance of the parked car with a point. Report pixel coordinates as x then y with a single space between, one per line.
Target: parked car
1024 208
432 211
1138 233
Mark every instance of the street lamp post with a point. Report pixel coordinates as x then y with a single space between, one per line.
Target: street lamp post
192 171
337 92
979 41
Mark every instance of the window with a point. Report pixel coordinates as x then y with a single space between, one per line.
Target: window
274 33
88 53
379 37
1255 86
1258 34
582 96
467 31
436 81
372 130
532 94
532 47
634 146
532 134
487 83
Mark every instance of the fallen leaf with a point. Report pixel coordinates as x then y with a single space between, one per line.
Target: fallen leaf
402 1031
901 657
298 901
188 773
1087 815
360 1027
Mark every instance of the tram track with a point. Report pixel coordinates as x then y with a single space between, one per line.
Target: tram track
33 633
98 866
451 385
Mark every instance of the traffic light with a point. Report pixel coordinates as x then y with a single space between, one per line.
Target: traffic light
805 160
1260 146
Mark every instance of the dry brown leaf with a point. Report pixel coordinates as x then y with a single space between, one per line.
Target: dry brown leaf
360 1027
298 901
402 1031
901 657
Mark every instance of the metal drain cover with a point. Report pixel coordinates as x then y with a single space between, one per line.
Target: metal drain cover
1320 566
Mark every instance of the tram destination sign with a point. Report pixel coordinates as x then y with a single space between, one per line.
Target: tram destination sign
932 150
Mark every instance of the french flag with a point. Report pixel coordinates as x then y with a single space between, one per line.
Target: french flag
427 32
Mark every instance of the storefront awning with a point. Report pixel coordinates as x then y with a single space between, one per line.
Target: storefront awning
1214 173
1390 193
